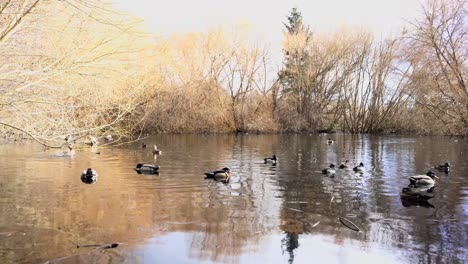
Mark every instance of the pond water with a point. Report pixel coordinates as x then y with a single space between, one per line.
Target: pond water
288 213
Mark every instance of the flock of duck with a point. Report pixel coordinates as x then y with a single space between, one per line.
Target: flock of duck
90 175
420 187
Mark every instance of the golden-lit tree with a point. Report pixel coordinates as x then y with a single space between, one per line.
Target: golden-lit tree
65 69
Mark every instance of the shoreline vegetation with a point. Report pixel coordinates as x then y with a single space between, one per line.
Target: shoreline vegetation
71 69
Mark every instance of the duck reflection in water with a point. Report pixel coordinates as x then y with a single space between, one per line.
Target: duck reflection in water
417 196
89 180
290 243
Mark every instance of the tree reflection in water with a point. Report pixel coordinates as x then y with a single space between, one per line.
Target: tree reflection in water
289 243
263 205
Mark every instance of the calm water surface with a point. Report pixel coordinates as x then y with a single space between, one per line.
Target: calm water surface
266 214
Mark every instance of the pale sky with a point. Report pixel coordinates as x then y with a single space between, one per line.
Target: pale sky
266 17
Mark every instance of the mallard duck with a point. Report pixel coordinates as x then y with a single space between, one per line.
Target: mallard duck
92 141
330 141
344 165
89 173
330 170
156 150
359 168
445 168
147 168
222 174
273 160
427 179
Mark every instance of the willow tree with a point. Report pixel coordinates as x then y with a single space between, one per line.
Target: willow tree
439 62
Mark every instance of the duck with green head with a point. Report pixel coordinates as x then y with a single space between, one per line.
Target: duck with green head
330 170
344 165
273 160
444 168
142 168
427 179
359 168
89 173
223 174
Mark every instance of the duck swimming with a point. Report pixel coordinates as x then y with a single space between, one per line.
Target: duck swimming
70 152
344 165
223 174
147 168
359 168
92 141
273 160
89 173
445 168
427 179
329 141
330 170
156 150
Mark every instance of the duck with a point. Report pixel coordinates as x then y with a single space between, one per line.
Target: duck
273 160
70 152
329 141
108 138
156 150
142 168
427 179
92 141
143 145
330 170
89 173
223 174
344 165
359 168
445 168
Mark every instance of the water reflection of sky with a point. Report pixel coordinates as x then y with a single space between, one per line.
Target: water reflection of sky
268 214
176 248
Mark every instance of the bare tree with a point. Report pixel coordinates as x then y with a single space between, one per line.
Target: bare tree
242 75
375 93
438 56
64 90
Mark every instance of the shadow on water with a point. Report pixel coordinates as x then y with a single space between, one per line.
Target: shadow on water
273 213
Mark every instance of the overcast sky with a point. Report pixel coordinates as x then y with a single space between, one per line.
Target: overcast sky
382 17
